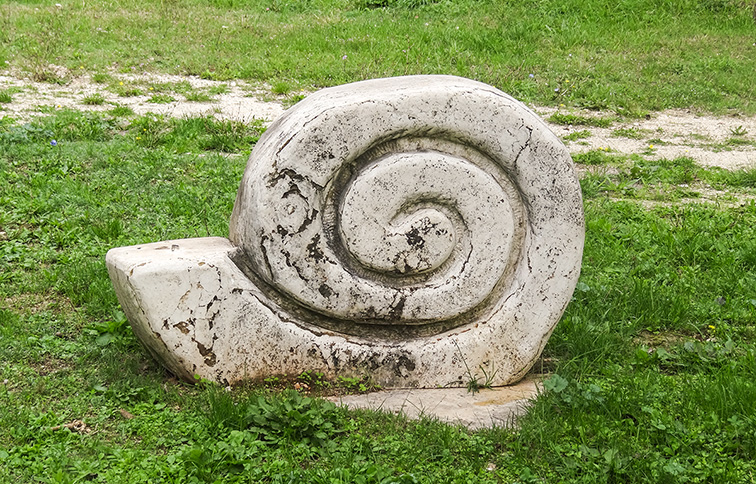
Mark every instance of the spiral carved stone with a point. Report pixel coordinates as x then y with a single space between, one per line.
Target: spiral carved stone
406 228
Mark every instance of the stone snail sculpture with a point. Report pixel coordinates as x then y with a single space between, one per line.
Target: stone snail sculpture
408 229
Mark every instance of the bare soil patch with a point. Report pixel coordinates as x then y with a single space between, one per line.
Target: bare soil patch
723 141
243 101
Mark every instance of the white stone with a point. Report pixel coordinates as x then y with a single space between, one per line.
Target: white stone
489 407
409 229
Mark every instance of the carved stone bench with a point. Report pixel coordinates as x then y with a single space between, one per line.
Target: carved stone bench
411 229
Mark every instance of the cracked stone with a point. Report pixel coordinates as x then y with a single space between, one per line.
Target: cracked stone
406 229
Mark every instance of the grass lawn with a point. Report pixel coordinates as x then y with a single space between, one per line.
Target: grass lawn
653 366
629 56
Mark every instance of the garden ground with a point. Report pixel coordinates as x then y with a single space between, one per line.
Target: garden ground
727 141
652 367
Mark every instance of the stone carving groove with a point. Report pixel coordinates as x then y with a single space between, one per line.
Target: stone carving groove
394 227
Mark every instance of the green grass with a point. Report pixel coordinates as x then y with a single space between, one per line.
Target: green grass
126 90
5 97
218 89
631 57
723 179
198 96
578 120
597 157
739 131
161 99
576 135
292 100
637 178
101 78
656 141
121 111
653 363
93 100
632 133
281 87
738 141
165 87
194 134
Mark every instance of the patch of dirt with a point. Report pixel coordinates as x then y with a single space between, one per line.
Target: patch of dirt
664 339
709 140
312 384
33 303
243 102
705 195
728 142
51 365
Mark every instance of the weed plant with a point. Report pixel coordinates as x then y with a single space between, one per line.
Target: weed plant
198 96
121 111
218 89
597 157
101 78
577 120
655 361
576 135
126 90
632 133
161 99
93 99
281 88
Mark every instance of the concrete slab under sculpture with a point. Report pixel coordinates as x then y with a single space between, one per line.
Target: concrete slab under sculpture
489 407
412 229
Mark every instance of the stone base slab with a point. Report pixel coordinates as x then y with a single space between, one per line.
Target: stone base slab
500 406
202 317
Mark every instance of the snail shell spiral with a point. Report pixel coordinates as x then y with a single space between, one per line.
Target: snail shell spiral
408 207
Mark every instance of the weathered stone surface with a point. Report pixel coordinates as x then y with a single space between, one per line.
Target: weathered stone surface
405 228
499 407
